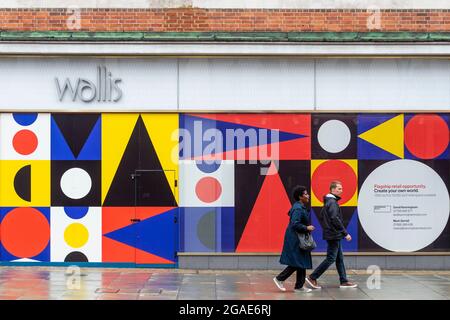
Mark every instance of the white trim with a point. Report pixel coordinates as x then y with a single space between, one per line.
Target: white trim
234 4
222 49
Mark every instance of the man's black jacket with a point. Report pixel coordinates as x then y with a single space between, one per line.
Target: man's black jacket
332 220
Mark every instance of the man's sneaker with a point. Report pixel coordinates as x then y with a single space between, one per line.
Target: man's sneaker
348 285
279 284
312 283
303 290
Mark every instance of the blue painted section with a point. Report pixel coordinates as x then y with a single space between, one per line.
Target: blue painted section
208 166
25 119
153 235
352 229
318 233
193 124
221 234
227 230
92 149
44 255
76 212
60 150
366 150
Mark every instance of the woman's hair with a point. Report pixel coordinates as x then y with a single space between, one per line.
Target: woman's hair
298 192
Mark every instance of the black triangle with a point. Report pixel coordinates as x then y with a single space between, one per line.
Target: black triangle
76 129
294 173
140 155
248 182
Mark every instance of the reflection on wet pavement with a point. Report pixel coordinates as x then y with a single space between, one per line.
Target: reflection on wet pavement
57 283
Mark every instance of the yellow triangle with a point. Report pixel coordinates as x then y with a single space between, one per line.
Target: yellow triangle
116 132
387 136
163 132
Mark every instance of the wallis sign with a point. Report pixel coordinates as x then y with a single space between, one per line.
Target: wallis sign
104 89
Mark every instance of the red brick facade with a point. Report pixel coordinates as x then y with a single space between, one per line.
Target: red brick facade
229 20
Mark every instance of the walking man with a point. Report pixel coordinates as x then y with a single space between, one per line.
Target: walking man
333 232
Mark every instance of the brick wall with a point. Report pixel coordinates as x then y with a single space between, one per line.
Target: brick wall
231 20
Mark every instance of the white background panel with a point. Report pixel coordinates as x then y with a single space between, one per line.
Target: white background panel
246 84
253 84
30 83
392 84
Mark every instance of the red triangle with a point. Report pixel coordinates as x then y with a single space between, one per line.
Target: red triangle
114 218
299 149
148 212
266 226
292 123
115 251
143 257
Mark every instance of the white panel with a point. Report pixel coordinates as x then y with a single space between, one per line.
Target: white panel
132 48
246 84
27 83
389 84
194 181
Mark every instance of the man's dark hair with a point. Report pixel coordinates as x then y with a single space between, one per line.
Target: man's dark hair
334 184
298 192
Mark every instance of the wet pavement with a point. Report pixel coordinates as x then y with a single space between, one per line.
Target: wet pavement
58 283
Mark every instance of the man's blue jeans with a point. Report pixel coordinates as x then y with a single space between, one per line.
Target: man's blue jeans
334 254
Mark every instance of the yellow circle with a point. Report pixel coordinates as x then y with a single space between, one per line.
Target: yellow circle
76 235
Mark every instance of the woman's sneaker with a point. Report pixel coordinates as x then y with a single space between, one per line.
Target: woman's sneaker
348 285
313 283
303 290
279 284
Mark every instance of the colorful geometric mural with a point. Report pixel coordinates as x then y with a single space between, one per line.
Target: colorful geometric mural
137 188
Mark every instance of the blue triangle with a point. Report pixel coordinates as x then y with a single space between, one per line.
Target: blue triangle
92 147
352 229
187 122
60 150
154 235
318 233
368 151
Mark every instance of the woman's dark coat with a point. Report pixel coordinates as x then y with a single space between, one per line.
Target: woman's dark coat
292 255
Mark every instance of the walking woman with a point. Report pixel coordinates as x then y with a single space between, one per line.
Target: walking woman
292 256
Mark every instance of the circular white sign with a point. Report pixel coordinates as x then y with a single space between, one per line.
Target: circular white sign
76 183
403 205
334 136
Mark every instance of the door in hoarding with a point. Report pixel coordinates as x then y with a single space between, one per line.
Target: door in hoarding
156 217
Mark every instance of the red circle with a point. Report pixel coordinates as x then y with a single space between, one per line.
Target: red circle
329 171
25 142
426 136
208 189
25 232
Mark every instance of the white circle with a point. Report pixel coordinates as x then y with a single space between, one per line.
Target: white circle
76 183
401 220
334 136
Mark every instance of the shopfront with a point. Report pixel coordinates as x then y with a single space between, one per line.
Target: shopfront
149 160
